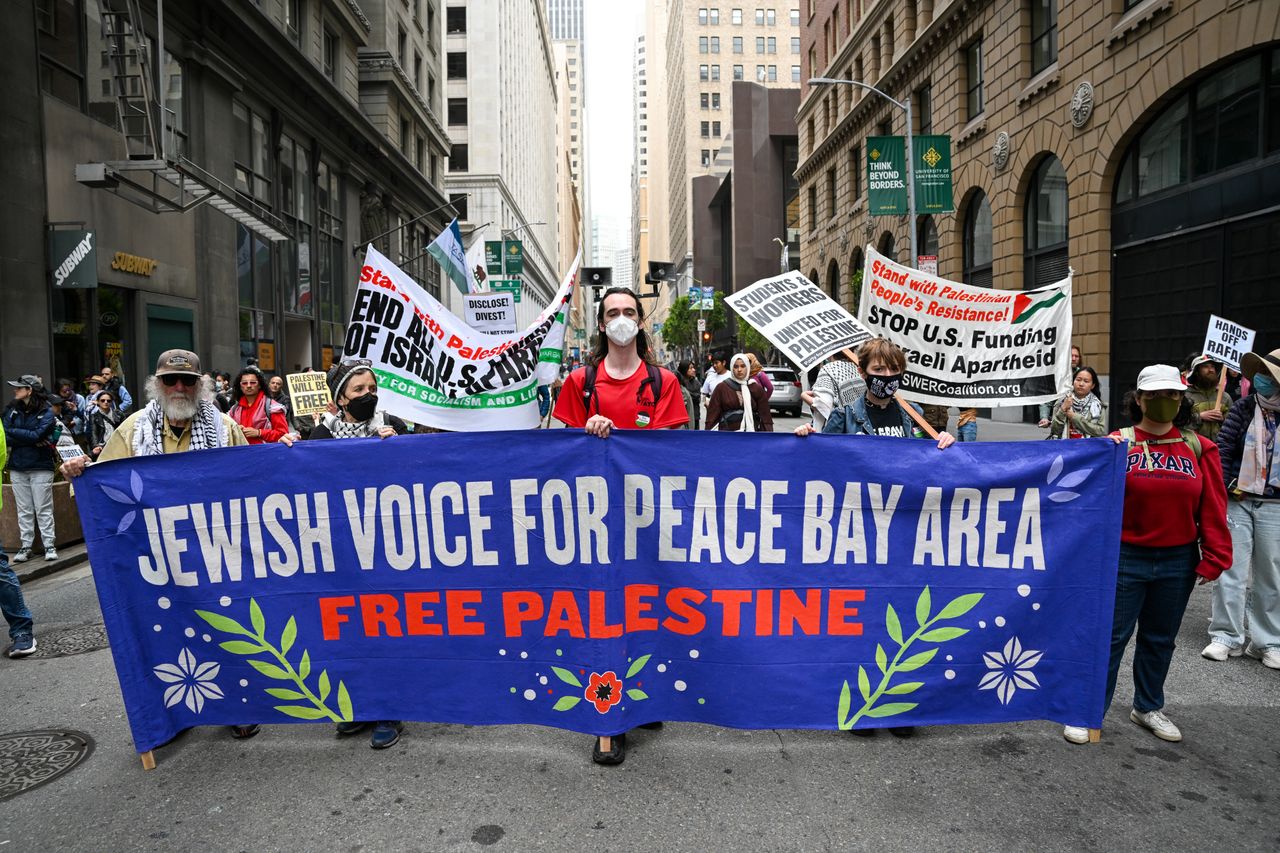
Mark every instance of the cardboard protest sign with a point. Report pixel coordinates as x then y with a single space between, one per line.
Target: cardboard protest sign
802 321
594 586
491 313
1227 342
435 370
309 393
970 346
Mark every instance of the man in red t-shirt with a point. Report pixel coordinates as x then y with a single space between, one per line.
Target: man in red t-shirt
624 395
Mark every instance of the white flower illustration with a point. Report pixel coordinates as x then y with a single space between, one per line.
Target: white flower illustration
1010 669
192 682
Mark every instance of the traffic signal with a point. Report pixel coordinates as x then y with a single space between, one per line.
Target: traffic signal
706 337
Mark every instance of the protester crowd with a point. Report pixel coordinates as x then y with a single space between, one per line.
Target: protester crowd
1202 499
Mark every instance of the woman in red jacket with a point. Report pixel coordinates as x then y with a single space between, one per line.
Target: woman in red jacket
262 419
1174 532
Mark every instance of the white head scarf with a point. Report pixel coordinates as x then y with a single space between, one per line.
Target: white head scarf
744 389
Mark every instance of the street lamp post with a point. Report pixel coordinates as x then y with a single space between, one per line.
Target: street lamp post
911 184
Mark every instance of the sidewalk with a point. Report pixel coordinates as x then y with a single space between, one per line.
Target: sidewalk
69 557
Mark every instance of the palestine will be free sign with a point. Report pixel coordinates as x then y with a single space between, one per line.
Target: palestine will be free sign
434 369
593 585
970 346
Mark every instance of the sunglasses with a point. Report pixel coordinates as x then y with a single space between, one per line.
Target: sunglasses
172 379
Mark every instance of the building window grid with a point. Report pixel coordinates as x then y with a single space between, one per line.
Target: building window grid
330 51
973 83
1044 34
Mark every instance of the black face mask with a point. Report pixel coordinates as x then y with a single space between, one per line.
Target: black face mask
362 408
884 386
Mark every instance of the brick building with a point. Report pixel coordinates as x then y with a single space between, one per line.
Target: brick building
1135 141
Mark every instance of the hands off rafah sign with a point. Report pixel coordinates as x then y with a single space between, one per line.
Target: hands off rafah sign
1227 342
970 346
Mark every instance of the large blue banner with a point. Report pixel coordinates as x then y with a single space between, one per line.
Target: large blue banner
747 580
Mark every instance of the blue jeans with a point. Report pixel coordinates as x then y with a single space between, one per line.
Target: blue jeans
1153 586
11 601
968 432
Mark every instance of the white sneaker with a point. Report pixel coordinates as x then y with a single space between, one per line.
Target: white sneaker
50 554
22 556
1157 723
1075 734
1221 651
1270 657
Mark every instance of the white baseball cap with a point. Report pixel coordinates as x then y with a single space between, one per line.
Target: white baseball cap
1161 377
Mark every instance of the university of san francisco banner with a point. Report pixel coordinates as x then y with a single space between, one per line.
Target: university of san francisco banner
970 346
434 369
555 578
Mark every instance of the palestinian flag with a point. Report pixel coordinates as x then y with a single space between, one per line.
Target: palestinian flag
1026 304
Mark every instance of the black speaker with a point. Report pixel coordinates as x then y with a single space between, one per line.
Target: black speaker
662 271
597 276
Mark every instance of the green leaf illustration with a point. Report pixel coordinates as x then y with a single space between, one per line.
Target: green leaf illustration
566 676
256 618
922 607
941 635
279 667
302 712
960 606
564 703
891 622
344 703
637 695
225 624
902 661
917 661
904 687
637 665
290 634
842 709
270 670
240 647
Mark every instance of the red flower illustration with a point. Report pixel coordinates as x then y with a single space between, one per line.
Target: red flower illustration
604 691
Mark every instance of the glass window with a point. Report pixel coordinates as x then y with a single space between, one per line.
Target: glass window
703 44
706 129
795 17
458 158
1044 34
1227 113
737 44
771 18
704 73
831 192
252 153
977 242
705 100
715 128
456 65
62 50
715 73
1162 150
795 45
855 172
455 20
715 100
759 44
1045 237
329 54
715 44
1273 103
773 73
735 17
795 74
924 109
773 44
702 17
706 157
715 17
973 73
457 111
737 72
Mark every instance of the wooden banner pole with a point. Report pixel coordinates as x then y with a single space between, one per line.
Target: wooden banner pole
906 407
1095 735
148 759
1222 386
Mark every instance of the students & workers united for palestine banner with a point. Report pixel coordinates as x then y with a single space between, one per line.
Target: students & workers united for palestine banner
434 369
595 585
970 346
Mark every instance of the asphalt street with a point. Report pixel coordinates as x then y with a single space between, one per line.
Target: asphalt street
688 787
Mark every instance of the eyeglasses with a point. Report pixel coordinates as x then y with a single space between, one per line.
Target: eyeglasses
172 379
357 362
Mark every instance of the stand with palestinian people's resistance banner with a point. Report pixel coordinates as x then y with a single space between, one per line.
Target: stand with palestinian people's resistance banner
594 585
970 346
435 370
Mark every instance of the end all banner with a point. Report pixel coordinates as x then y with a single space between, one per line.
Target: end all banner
554 578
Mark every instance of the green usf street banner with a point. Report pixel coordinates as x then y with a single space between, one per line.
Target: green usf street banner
493 257
514 252
506 285
886 176
931 170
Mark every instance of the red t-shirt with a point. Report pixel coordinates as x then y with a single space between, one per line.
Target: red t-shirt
1177 499
623 401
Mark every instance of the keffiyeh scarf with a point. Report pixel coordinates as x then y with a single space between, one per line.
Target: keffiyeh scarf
207 429
340 428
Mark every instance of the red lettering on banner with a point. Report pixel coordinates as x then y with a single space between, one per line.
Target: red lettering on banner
681 602
460 615
791 612
600 627
377 611
731 601
520 606
416 614
330 618
839 612
637 607
564 615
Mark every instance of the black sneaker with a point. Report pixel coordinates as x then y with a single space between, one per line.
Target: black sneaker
245 732
616 754
353 728
22 646
386 733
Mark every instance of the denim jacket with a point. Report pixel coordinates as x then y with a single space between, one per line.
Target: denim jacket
853 420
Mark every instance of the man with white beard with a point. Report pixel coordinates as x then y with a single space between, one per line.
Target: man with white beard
180 415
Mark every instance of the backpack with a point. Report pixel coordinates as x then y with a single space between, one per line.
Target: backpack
1130 435
589 385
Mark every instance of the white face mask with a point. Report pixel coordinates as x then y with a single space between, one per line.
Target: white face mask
622 330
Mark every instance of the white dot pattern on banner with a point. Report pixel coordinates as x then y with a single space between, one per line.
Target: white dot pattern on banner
949 657
206 638
999 621
530 694
155 628
225 601
190 632
1035 606
524 655
950 674
502 651
542 680
244 682
693 653
163 602
1024 590
982 624
662 667
680 686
